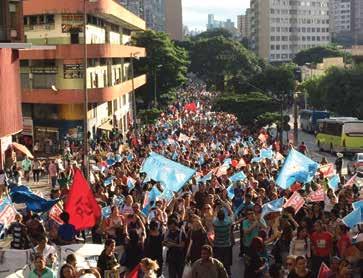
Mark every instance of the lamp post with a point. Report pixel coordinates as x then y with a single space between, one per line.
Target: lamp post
85 92
132 57
155 85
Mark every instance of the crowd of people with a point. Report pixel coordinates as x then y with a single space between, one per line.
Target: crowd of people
195 233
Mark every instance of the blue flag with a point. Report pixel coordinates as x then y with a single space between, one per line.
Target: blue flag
273 206
201 160
240 176
267 153
353 218
227 161
334 182
22 194
358 204
108 181
230 192
130 157
110 162
256 159
154 194
174 175
106 212
297 168
206 178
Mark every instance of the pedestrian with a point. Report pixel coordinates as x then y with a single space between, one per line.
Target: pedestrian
40 269
53 173
339 163
107 261
207 266
300 270
36 168
26 166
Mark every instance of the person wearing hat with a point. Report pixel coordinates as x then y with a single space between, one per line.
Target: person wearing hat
339 163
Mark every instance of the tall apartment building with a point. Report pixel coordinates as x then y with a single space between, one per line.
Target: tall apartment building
215 24
340 21
11 38
174 19
243 24
282 28
154 14
134 6
52 74
357 21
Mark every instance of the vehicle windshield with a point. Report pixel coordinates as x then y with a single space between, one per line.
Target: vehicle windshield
353 128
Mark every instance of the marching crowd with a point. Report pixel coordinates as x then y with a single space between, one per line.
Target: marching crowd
193 232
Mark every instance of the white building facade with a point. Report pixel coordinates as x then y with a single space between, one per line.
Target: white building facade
282 28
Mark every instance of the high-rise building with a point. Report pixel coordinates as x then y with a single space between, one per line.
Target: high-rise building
216 24
134 6
11 38
281 28
340 21
243 24
52 72
154 15
357 21
174 19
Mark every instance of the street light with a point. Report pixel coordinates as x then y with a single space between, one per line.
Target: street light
133 55
155 84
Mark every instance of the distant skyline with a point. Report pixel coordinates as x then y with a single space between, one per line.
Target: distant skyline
195 13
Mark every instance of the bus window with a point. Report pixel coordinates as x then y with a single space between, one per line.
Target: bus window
353 128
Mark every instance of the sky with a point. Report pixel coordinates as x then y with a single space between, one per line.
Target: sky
195 12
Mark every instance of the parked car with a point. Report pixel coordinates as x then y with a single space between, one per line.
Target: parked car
356 165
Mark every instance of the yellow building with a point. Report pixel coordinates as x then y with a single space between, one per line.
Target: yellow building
52 72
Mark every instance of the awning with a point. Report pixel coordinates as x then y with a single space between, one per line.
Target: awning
106 126
22 149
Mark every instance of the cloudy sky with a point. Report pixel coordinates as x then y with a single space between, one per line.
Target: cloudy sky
195 12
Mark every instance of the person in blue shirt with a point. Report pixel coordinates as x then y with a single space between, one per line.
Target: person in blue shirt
66 232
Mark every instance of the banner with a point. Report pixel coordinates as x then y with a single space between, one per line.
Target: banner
170 173
86 254
317 196
15 263
296 201
327 170
55 212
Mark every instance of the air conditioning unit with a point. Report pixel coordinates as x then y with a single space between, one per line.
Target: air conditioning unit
13 33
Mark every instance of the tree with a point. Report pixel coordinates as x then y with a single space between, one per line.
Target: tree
317 54
218 32
217 60
165 60
247 107
338 91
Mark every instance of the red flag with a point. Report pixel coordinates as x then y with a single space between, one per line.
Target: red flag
296 187
295 201
324 271
81 204
234 163
134 273
190 107
327 170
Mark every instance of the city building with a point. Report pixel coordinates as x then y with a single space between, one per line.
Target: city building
357 21
357 54
340 21
174 19
134 6
52 72
243 24
311 70
154 15
216 24
281 28
11 38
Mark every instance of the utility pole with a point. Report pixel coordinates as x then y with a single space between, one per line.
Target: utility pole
85 91
296 134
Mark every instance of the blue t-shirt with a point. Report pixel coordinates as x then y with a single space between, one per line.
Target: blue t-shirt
67 232
247 238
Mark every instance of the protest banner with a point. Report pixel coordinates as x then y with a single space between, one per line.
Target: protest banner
327 170
296 201
317 196
15 263
55 212
86 254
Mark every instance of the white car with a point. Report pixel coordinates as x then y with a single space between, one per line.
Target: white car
356 165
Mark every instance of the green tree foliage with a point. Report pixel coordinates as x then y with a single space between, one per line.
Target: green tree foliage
218 32
248 107
268 118
149 116
165 59
339 91
218 60
317 54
